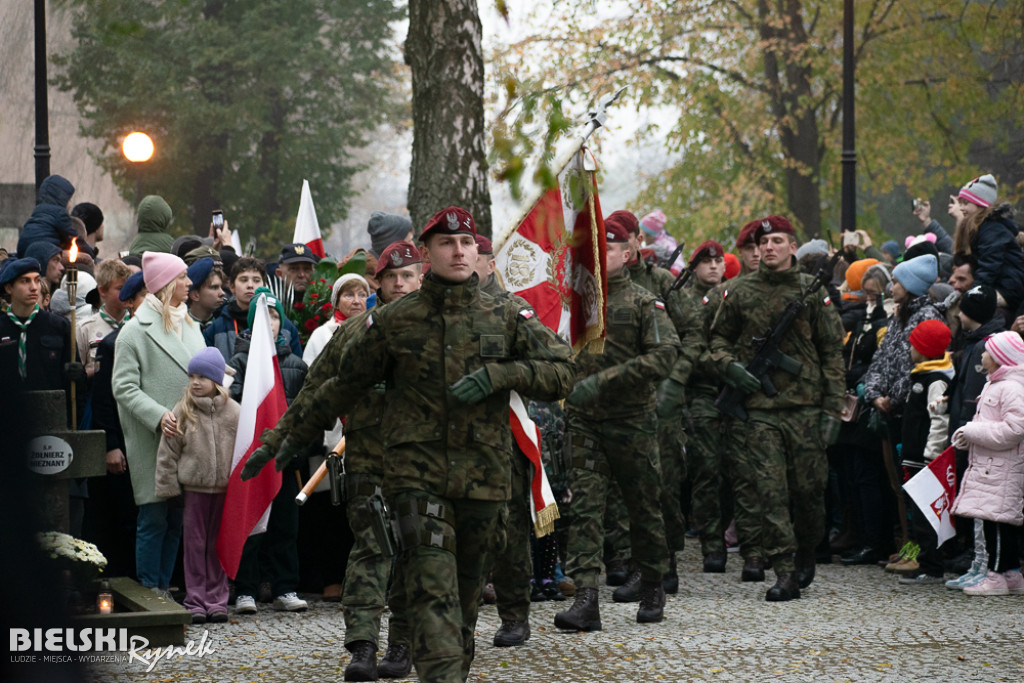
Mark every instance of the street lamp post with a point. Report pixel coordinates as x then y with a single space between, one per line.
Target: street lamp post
849 154
42 148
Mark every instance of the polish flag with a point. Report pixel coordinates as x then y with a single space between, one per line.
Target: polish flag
933 490
544 509
307 228
247 503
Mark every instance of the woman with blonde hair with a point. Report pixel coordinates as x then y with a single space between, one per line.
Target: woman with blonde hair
151 360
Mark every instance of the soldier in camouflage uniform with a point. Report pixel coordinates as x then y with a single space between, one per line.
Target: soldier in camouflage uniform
783 442
671 435
510 562
448 355
708 450
617 438
366 575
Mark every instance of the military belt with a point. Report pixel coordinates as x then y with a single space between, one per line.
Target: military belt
360 489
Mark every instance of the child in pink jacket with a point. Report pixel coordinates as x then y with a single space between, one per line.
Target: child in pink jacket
993 486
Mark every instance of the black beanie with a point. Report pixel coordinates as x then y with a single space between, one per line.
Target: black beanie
922 247
979 303
89 214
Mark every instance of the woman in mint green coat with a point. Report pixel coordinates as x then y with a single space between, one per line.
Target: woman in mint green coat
150 375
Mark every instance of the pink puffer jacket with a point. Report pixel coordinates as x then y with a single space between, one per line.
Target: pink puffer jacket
993 486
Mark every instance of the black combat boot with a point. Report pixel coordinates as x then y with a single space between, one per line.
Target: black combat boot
671 580
805 567
785 588
363 666
584 615
652 602
616 573
512 633
753 569
714 563
629 591
396 663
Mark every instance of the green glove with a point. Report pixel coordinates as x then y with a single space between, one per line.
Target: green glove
75 372
257 459
671 397
737 377
473 388
830 429
584 392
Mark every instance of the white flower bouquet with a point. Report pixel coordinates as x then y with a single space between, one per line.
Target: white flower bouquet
83 559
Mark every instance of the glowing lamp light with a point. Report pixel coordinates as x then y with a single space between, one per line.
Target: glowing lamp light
73 251
137 147
105 600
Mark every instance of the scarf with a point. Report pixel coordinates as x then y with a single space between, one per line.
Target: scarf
339 317
178 313
23 339
105 317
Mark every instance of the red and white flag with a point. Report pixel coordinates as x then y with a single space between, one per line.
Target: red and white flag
555 258
933 490
247 503
544 509
307 228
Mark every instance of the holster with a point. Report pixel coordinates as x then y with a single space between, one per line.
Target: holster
380 520
409 529
336 477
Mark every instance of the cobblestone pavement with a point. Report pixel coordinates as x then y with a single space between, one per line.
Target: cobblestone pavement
852 624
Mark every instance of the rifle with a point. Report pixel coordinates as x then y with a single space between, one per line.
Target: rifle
767 355
681 279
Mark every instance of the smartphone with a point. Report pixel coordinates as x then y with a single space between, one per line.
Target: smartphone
915 204
850 238
218 219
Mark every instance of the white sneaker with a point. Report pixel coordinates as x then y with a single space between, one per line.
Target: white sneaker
290 602
245 604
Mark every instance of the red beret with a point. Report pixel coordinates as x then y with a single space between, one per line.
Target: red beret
615 231
707 249
930 338
450 221
732 266
397 255
746 235
483 245
625 219
772 224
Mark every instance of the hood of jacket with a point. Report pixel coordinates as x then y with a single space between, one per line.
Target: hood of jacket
55 189
155 215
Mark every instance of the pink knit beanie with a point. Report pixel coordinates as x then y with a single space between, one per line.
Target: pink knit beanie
160 269
654 222
1006 348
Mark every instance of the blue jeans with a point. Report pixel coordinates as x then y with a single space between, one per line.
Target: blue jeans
157 538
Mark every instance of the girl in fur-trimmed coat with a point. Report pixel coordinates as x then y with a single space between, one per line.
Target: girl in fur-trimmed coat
993 487
198 462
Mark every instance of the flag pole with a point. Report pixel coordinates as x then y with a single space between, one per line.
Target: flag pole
595 119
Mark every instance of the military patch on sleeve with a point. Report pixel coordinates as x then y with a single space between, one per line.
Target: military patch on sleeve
705 301
527 313
493 346
827 300
725 293
369 321
659 304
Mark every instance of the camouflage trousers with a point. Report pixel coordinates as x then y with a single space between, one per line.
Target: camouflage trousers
708 463
673 473
367 573
512 567
624 451
789 470
442 576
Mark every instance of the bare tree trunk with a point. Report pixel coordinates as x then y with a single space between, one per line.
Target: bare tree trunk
449 161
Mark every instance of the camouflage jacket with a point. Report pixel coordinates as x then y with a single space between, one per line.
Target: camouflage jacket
704 383
754 304
640 348
681 311
419 346
364 450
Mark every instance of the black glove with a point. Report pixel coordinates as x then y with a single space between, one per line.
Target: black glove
737 377
585 391
473 388
257 459
671 397
75 372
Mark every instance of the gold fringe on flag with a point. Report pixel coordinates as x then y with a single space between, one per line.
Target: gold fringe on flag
545 523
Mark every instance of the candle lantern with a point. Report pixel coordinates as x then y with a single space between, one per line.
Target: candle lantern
105 599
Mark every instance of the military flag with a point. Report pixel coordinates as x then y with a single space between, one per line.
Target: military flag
307 228
933 490
247 503
555 257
